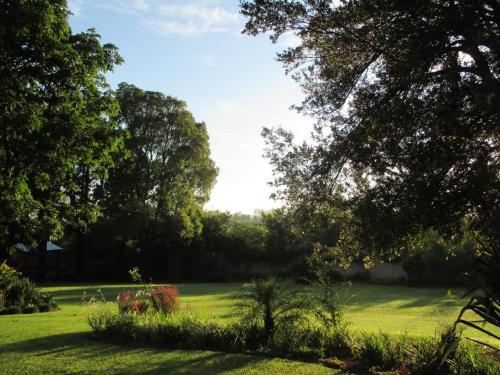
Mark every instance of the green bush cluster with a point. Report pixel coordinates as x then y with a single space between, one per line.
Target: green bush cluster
19 295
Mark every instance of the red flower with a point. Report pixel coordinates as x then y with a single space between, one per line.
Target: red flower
135 309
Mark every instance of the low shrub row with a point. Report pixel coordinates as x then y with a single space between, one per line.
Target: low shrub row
18 295
357 353
278 321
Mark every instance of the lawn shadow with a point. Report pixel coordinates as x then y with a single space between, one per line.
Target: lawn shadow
80 351
371 296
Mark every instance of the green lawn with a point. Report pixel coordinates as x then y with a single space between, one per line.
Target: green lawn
58 342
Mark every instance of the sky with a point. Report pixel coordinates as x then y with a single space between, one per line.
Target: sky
194 50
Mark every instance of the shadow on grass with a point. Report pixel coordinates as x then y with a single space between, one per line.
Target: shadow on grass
370 296
83 354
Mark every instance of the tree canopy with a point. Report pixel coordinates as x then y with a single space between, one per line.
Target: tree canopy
407 97
169 166
56 120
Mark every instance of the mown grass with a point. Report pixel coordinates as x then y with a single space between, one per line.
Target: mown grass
58 342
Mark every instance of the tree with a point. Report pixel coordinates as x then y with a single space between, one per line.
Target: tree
407 99
55 121
407 96
168 173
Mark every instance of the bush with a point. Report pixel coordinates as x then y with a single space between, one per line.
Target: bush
382 351
269 303
11 310
18 294
469 359
7 275
165 298
30 309
338 342
23 292
131 302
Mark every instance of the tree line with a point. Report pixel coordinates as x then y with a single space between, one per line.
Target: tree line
121 176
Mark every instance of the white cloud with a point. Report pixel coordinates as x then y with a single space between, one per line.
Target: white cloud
209 15
141 5
186 20
125 6
119 6
168 18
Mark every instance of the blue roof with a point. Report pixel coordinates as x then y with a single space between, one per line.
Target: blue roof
51 246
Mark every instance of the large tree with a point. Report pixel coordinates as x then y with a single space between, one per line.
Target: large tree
166 178
407 97
56 121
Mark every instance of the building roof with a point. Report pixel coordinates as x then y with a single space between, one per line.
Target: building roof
51 246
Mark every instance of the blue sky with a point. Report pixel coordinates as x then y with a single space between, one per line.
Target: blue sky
194 50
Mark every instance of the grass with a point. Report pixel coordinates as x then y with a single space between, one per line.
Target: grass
58 342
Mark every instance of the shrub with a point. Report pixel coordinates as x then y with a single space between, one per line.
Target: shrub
469 359
101 318
382 351
131 302
165 298
23 292
7 275
11 310
267 302
338 342
30 309
19 294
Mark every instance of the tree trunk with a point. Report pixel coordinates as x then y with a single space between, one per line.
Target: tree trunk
3 252
80 254
42 260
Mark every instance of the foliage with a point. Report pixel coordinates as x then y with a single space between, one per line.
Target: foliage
135 275
431 260
154 196
165 299
132 302
169 166
247 239
7 275
407 99
395 87
18 294
387 307
382 351
57 128
333 297
365 353
269 303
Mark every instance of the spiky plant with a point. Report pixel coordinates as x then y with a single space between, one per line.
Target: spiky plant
271 304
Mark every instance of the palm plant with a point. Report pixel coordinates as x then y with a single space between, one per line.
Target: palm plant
485 300
270 303
484 303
